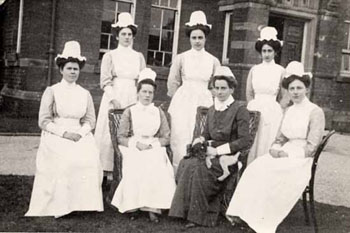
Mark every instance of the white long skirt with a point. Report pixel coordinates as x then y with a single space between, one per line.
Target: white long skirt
183 109
68 177
148 180
270 120
125 93
268 190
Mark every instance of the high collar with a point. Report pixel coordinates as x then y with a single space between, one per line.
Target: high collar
142 107
124 49
303 103
272 62
222 106
194 51
67 84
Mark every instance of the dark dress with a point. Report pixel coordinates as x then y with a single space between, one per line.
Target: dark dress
198 193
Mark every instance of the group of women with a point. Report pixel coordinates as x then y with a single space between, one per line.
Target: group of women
71 162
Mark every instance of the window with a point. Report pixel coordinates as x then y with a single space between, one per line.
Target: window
345 59
163 34
111 10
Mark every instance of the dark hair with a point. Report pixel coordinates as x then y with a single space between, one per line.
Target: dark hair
305 79
231 81
61 62
116 30
275 44
204 28
146 81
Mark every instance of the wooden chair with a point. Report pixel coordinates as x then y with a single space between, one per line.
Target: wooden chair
309 190
232 180
114 122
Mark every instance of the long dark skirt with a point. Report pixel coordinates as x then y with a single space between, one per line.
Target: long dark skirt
198 194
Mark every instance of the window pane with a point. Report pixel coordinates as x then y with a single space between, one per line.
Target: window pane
164 2
159 59
124 7
104 42
167 40
168 19
345 62
106 27
153 39
173 3
155 2
100 55
156 15
150 59
167 59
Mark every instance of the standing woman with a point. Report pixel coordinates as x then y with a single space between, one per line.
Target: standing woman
273 183
188 84
119 72
68 172
263 89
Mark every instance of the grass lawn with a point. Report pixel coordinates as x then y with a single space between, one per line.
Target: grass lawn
15 195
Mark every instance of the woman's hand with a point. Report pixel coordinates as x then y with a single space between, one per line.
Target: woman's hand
141 146
278 153
72 136
116 104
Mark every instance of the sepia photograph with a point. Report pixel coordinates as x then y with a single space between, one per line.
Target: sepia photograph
168 116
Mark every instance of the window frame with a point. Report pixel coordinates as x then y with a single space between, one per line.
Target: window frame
177 11
345 51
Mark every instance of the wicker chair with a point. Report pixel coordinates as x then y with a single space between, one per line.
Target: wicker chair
309 190
232 180
114 122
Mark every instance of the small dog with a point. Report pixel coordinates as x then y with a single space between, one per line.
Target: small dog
199 151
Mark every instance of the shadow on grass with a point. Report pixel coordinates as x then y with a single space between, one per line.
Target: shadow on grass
15 196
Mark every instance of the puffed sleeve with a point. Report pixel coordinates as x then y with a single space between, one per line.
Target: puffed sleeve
107 75
88 121
283 97
174 78
46 113
125 129
315 131
163 133
142 62
249 88
216 65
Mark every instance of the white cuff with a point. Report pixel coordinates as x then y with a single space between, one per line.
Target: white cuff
156 144
223 149
84 130
53 128
132 142
276 146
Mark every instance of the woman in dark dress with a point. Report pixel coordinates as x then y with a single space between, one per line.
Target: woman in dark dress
197 196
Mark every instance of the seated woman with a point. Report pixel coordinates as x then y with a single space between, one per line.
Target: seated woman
148 182
272 184
68 171
197 197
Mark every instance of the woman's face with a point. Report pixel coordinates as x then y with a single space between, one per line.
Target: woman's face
70 72
222 90
146 94
197 39
267 53
125 37
297 91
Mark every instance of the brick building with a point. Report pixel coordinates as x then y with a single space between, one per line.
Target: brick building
315 32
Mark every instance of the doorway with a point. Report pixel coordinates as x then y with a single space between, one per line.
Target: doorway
291 31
